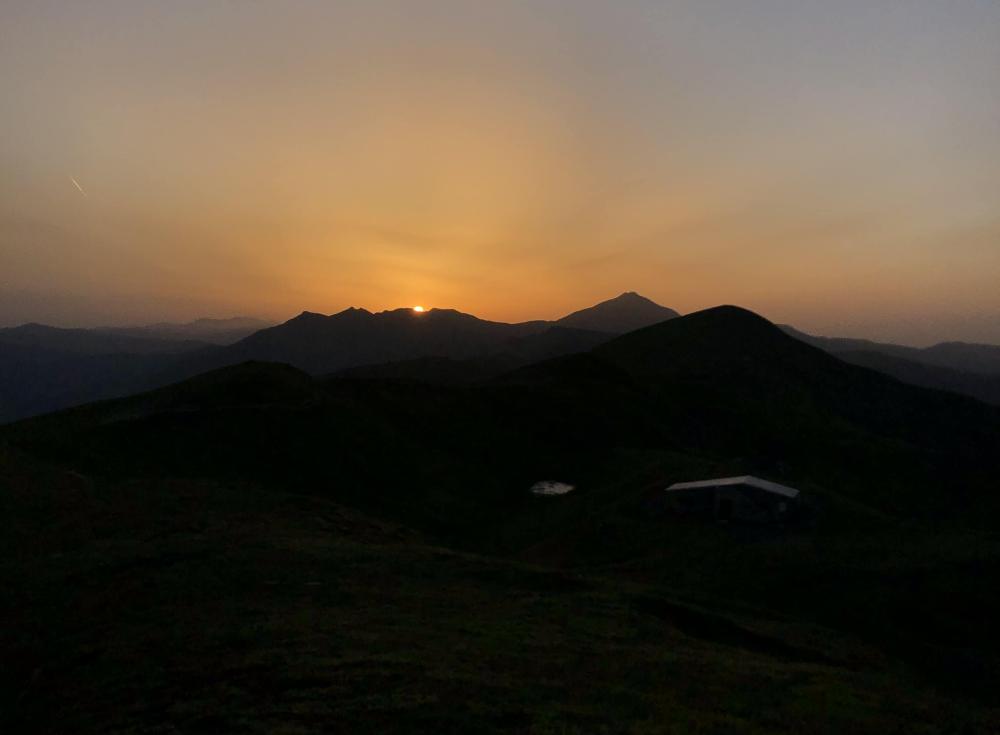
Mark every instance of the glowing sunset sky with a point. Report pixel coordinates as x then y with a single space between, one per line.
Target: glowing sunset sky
835 165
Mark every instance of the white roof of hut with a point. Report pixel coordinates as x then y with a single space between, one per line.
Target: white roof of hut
771 487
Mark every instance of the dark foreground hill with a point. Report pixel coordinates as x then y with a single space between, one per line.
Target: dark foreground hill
727 381
259 549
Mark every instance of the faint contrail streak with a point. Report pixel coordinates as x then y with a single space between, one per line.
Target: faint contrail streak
77 185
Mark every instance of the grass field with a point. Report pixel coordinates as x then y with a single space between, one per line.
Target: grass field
185 606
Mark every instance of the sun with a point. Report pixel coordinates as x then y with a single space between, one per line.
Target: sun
419 309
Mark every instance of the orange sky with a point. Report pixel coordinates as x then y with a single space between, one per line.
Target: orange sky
833 167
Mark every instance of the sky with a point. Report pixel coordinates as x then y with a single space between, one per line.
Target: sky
834 165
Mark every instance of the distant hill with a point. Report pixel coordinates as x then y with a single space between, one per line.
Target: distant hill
352 338
92 341
970 369
619 315
982 386
213 331
45 368
355 337
965 356
962 356
322 344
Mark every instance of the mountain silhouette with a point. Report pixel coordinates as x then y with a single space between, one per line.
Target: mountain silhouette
322 344
354 337
46 368
960 367
213 331
621 314
961 356
91 341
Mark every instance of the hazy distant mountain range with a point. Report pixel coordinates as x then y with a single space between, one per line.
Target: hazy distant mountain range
964 356
46 368
213 331
971 369
92 341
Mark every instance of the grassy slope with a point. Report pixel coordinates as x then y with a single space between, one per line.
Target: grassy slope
184 606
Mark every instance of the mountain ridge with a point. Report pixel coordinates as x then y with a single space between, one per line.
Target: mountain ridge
36 379
972 357
71 366
624 313
960 367
355 337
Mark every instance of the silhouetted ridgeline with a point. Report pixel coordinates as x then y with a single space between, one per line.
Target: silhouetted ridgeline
213 331
970 369
44 369
626 313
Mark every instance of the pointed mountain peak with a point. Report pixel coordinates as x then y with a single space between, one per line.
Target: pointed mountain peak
306 317
624 313
313 316
354 311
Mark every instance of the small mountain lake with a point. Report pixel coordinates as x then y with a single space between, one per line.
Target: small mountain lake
551 487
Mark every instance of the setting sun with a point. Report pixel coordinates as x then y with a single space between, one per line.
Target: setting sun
711 391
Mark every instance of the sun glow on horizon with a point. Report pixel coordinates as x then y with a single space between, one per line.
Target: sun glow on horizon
829 165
